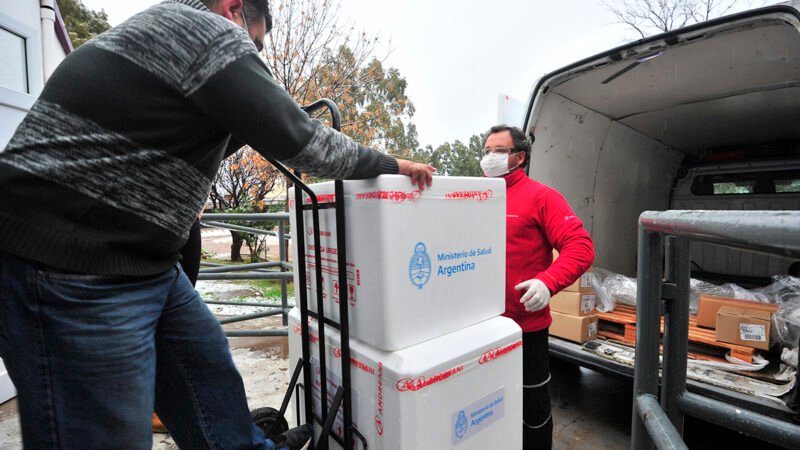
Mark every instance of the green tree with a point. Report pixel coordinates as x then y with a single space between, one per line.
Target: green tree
456 159
82 23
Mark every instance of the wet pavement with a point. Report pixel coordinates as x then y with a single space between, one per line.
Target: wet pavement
593 411
590 410
262 363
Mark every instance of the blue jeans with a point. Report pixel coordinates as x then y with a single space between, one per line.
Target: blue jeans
92 355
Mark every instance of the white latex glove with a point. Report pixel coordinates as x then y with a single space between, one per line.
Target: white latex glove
537 295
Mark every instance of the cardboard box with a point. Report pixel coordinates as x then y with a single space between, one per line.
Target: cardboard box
747 327
710 304
573 303
574 328
582 284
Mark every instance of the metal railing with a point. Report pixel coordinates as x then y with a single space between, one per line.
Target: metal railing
664 238
272 270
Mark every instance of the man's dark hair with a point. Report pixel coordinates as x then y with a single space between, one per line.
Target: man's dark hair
255 8
521 142
252 8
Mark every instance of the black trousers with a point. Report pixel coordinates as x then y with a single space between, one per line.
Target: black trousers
190 253
537 427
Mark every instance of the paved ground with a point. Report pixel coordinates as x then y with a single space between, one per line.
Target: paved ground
590 410
262 363
593 411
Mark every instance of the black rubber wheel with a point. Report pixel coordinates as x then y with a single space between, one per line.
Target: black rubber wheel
271 422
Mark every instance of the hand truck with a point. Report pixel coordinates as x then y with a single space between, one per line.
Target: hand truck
270 420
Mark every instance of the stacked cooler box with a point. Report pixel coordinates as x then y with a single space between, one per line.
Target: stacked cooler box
433 365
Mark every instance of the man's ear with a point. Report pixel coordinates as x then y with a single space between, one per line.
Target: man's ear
229 9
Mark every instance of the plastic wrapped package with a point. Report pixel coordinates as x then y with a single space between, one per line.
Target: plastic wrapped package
730 290
789 357
612 288
785 291
604 301
697 287
786 323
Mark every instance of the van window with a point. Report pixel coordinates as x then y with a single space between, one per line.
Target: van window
773 182
788 185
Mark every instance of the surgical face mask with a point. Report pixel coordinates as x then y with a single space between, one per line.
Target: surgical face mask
495 164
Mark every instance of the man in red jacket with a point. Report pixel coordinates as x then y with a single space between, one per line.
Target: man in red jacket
538 220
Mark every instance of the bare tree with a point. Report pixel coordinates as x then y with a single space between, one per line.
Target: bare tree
301 45
313 54
243 181
648 17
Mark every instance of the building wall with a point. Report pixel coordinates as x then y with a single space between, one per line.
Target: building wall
22 18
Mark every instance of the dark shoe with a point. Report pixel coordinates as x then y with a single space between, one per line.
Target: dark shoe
295 438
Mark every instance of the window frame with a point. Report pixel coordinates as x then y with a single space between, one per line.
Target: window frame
33 58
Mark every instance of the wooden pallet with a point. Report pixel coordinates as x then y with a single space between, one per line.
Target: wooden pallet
620 325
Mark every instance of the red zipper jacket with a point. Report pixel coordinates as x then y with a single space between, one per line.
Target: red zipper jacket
539 220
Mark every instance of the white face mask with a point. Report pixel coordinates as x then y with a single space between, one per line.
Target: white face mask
495 164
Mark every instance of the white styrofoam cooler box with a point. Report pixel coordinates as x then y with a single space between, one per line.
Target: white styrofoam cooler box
462 390
420 263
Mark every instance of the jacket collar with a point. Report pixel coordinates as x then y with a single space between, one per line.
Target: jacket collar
514 177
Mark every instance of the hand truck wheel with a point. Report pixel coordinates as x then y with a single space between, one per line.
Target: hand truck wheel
270 421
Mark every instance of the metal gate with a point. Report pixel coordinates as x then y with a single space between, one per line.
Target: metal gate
663 288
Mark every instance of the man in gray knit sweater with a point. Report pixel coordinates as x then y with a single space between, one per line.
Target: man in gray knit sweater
101 183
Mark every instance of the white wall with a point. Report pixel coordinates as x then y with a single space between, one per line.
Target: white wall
22 17
25 11
608 173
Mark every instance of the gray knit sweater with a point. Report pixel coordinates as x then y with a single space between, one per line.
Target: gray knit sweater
113 163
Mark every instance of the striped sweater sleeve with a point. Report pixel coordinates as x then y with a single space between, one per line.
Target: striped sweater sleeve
246 101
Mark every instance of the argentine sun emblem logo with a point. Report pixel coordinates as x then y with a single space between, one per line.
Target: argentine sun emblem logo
419 269
461 425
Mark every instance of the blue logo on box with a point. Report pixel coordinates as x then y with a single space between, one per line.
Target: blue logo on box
461 424
419 269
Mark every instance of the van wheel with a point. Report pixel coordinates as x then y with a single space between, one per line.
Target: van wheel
270 421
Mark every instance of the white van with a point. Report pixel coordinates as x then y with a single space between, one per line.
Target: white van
704 117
